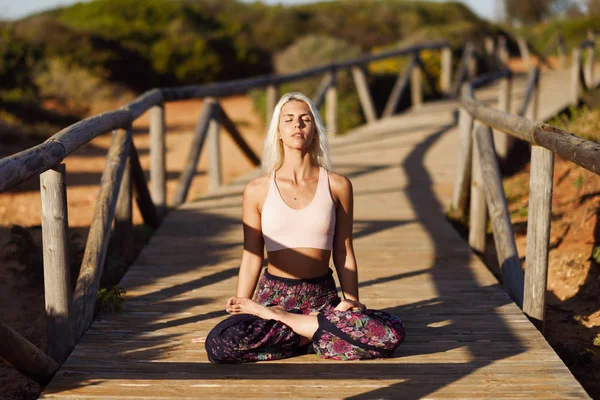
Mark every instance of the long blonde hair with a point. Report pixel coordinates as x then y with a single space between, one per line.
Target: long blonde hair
272 155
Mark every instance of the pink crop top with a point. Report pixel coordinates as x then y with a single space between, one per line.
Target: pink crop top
312 226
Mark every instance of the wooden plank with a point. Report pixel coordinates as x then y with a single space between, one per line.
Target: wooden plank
86 290
538 232
142 194
331 114
506 249
398 89
478 215
123 226
200 134
237 137
364 95
215 169
462 183
57 269
158 159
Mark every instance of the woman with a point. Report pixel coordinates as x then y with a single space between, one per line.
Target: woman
302 213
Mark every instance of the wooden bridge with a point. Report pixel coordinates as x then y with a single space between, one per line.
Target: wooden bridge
466 338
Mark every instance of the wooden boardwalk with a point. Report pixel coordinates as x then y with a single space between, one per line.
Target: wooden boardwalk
466 339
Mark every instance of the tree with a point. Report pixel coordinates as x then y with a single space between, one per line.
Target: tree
17 61
534 11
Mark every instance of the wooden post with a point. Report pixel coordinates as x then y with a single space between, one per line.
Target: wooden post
142 195
88 283
331 106
319 95
538 233
200 133
561 51
123 230
590 59
24 356
502 141
488 44
214 151
237 137
360 81
399 88
472 63
575 68
524 51
158 151
534 103
271 102
57 270
416 86
503 55
508 257
478 211
463 168
446 76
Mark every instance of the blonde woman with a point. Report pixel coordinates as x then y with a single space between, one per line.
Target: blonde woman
302 212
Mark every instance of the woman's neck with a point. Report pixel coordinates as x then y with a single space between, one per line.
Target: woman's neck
297 167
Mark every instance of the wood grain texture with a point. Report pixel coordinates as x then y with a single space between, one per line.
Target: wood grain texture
57 270
158 159
94 256
538 231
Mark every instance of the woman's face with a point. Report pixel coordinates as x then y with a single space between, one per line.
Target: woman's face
296 125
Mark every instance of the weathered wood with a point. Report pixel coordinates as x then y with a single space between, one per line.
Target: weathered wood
144 102
142 195
214 151
158 159
462 182
463 68
574 148
25 357
123 229
366 102
398 89
57 269
503 55
582 152
490 52
534 102
524 50
244 85
271 102
416 86
200 133
446 74
538 232
502 141
532 83
514 125
506 249
331 113
86 291
575 73
237 137
490 77
478 208
319 96
590 58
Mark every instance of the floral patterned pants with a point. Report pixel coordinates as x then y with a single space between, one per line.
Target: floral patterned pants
342 335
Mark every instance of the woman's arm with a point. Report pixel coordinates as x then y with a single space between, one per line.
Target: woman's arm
343 250
253 253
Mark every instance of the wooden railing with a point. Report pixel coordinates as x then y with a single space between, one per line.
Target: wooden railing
478 163
70 315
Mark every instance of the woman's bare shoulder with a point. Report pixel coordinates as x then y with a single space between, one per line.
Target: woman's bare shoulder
340 185
257 188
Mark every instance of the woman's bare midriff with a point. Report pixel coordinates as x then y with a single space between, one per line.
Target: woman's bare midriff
299 263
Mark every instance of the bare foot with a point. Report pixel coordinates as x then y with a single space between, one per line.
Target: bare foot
353 305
